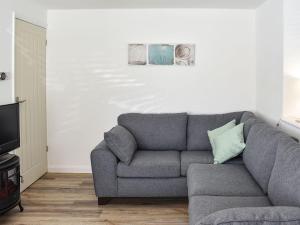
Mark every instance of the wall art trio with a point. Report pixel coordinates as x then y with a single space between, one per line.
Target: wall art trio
161 54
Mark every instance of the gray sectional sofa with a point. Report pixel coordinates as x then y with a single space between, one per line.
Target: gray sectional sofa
174 159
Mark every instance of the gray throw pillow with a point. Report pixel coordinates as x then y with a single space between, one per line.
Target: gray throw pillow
121 142
254 216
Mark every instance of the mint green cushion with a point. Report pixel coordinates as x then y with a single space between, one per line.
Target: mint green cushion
229 144
212 134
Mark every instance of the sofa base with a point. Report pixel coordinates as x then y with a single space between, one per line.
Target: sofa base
152 187
103 200
140 200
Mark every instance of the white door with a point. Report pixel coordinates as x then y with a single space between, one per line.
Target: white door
30 91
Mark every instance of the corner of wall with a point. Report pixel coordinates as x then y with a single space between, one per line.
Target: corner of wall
269 60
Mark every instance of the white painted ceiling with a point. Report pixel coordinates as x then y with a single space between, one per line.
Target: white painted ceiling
107 4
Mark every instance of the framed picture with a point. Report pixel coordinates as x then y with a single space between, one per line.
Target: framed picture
185 54
137 54
161 54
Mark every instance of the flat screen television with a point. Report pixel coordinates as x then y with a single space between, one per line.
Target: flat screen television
9 128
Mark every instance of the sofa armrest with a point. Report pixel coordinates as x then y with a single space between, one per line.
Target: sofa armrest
254 216
104 168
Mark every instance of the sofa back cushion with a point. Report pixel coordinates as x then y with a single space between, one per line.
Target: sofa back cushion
246 116
157 131
284 186
249 119
260 152
248 124
198 125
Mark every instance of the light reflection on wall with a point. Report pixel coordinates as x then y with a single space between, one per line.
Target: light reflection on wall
291 107
291 97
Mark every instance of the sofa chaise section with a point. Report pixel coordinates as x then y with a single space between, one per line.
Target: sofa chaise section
202 206
221 180
268 179
269 215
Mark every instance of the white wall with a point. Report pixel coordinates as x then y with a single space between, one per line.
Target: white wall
291 98
89 82
278 26
269 45
292 58
27 10
6 53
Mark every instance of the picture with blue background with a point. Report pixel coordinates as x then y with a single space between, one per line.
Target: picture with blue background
161 54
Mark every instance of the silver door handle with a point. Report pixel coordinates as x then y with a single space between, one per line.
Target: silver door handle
19 100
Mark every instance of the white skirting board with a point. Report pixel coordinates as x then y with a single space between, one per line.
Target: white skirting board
69 169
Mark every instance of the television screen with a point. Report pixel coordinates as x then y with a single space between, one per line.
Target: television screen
9 128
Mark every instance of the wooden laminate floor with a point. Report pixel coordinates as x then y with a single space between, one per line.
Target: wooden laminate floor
69 199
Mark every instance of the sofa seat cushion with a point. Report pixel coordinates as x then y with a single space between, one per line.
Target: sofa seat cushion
202 206
151 164
221 180
201 157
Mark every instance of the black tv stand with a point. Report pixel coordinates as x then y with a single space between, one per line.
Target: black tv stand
10 195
